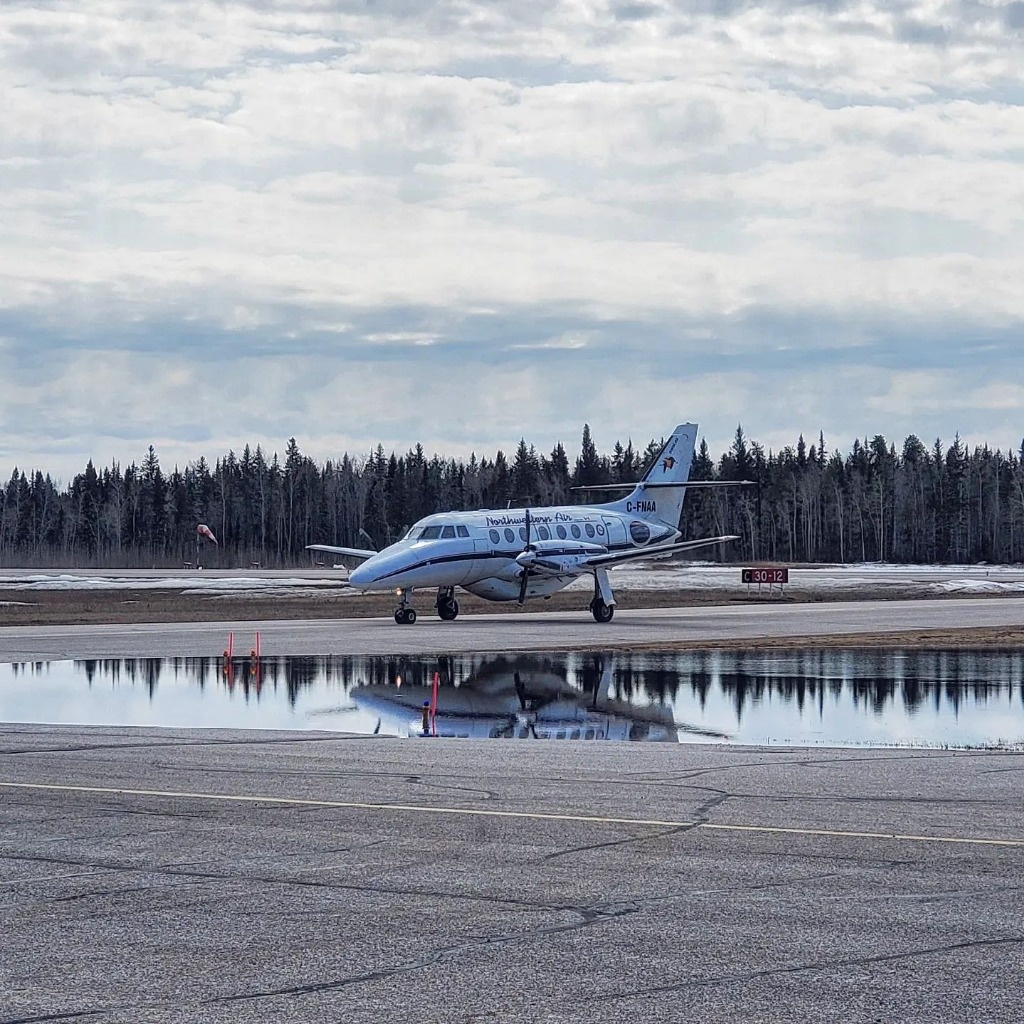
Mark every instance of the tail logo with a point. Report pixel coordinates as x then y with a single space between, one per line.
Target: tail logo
668 462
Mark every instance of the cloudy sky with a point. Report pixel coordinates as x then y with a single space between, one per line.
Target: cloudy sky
465 221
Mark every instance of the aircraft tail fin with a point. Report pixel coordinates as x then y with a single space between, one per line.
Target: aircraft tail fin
659 494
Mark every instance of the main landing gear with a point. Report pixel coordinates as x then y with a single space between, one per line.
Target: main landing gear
602 607
404 615
447 606
602 612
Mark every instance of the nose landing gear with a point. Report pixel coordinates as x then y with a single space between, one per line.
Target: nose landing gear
404 615
447 606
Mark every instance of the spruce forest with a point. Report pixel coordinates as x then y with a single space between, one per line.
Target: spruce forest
920 504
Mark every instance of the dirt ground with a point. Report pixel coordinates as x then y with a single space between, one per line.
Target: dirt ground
84 607
74 607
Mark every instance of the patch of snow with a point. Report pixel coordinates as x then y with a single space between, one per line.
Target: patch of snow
977 587
271 590
188 584
859 579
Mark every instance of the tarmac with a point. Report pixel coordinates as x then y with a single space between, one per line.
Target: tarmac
511 630
161 875
154 875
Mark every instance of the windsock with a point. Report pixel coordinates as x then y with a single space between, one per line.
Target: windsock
204 531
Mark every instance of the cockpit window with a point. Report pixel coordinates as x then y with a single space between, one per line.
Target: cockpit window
448 532
413 534
430 533
462 531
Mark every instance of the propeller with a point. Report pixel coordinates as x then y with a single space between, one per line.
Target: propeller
524 562
530 562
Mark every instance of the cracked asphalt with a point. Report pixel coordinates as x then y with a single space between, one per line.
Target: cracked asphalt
155 875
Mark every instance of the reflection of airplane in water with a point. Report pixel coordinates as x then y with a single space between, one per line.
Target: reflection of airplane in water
520 699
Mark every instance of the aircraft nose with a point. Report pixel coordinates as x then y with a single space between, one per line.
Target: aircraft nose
362 575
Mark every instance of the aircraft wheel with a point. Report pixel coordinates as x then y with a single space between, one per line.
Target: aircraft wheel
602 612
449 610
405 616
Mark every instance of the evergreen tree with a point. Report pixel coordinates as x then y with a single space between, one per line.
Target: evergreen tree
588 465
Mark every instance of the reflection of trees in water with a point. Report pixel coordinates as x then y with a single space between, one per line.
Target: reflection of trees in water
133 671
291 676
874 680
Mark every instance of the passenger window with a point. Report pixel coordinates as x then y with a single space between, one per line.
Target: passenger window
560 530
448 532
495 537
522 534
463 532
510 536
545 533
600 529
575 531
430 533
590 530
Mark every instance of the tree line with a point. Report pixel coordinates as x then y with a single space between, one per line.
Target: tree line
937 504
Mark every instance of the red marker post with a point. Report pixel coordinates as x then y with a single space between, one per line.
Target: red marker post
433 704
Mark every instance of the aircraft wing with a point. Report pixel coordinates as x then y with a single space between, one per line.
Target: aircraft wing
655 551
332 550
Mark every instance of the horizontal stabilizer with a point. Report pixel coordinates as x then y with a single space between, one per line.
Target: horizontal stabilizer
332 550
656 551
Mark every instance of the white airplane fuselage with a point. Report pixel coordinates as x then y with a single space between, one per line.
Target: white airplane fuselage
478 550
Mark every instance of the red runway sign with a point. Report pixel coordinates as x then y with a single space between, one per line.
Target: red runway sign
775 574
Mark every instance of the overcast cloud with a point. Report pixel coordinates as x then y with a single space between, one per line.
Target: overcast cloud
467 221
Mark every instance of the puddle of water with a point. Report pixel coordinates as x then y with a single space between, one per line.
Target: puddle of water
828 698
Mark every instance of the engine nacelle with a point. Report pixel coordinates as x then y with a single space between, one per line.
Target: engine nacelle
557 556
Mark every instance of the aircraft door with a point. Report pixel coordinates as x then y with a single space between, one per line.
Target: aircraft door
614 533
483 564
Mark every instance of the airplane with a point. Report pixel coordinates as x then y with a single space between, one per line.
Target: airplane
520 554
519 713
523 698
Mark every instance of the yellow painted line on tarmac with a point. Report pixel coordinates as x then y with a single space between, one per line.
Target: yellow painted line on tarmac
479 812
909 837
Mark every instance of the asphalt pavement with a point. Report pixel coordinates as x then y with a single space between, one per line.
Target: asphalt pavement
509 630
155 875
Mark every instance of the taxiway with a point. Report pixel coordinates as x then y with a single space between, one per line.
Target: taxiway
512 630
